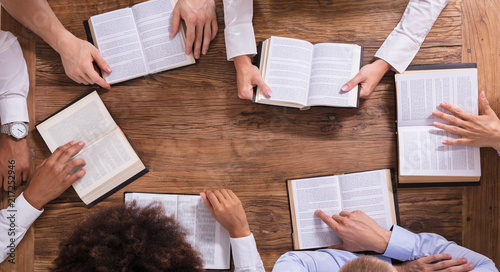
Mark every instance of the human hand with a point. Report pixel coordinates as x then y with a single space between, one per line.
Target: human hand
55 175
201 24
77 58
226 208
479 131
16 151
357 230
248 76
369 76
436 262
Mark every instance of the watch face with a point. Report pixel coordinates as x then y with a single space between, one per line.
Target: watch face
18 130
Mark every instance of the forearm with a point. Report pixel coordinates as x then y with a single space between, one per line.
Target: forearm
407 246
37 15
403 43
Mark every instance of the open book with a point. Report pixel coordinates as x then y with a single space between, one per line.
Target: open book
372 192
136 41
422 156
203 232
112 162
302 75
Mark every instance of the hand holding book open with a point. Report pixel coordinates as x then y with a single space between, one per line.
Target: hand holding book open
201 24
478 131
369 76
248 76
226 208
55 175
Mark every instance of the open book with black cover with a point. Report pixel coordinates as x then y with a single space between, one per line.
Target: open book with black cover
302 75
204 233
423 159
373 192
112 161
135 41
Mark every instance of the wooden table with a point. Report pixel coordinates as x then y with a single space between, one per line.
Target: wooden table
194 133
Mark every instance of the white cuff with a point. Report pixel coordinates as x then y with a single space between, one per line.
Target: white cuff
245 254
26 214
240 40
398 50
13 109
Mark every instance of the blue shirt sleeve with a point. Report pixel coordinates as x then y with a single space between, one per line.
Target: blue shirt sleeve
405 245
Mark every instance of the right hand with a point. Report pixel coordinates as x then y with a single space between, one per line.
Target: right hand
357 230
369 76
77 58
226 208
436 262
53 177
248 76
201 24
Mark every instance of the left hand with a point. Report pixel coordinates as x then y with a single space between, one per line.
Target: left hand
369 76
436 262
201 24
17 150
226 208
77 58
479 131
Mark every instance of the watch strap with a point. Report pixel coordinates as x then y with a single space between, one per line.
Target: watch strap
4 129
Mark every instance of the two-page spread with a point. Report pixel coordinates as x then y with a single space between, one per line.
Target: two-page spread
422 156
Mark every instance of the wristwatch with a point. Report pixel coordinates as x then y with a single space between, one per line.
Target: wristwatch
17 130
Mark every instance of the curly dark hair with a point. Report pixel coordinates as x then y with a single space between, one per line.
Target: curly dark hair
127 238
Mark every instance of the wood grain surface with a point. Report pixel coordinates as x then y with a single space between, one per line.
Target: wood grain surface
194 133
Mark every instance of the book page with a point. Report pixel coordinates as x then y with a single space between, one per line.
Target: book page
422 153
288 69
153 20
333 65
169 202
204 233
368 192
87 120
104 159
418 94
117 39
308 196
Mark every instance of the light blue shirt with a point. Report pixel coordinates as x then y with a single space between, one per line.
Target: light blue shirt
403 246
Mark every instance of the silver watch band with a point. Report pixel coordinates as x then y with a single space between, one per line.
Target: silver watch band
4 129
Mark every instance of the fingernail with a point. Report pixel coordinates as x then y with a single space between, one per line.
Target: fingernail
464 260
108 69
444 104
435 112
483 96
197 56
444 142
269 92
204 52
81 143
72 143
344 88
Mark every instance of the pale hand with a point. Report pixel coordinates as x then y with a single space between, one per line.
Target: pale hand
248 76
479 131
201 24
436 262
53 176
77 58
369 76
226 208
16 152
357 230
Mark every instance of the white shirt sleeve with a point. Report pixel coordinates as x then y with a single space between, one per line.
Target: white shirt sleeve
405 245
240 37
245 255
15 220
403 43
14 80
